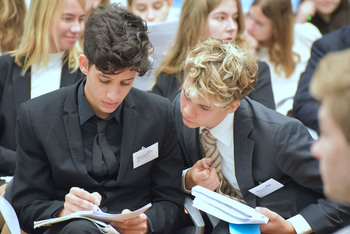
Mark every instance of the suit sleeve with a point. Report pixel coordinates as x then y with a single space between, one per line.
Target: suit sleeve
263 89
305 107
32 174
295 160
168 198
7 156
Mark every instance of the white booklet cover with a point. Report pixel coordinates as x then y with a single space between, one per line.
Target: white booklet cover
225 208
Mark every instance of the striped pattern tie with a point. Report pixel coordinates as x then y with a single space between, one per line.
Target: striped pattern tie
212 151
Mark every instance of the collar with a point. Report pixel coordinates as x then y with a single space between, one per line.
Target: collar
223 131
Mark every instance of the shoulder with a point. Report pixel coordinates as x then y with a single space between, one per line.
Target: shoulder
258 113
306 33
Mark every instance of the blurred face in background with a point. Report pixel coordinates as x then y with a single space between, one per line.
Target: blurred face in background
151 10
333 151
69 28
325 8
258 25
222 21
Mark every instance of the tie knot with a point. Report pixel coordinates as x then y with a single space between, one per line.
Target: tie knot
101 125
208 137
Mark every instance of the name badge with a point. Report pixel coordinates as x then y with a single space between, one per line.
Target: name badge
145 155
266 188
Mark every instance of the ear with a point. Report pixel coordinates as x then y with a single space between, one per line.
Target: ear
84 64
234 107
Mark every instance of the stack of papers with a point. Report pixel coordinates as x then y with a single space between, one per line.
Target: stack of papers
225 208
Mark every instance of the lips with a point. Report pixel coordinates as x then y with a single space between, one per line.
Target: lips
111 104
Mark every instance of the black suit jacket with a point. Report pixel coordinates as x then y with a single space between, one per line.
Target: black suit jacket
14 90
269 145
169 86
305 107
51 160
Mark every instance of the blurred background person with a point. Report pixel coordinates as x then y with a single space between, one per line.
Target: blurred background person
12 13
326 15
150 10
201 19
48 51
284 45
331 85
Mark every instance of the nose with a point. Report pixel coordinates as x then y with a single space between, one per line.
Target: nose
249 25
78 26
113 94
150 15
189 109
315 150
232 25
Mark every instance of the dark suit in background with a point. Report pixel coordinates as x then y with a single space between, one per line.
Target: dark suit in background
14 90
305 107
169 86
51 160
270 145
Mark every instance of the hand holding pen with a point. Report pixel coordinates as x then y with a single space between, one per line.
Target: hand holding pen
79 199
202 174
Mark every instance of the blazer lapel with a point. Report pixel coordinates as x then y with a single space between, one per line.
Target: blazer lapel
128 135
21 87
73 130
191 141
243 147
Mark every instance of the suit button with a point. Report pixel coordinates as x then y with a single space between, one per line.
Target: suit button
104 209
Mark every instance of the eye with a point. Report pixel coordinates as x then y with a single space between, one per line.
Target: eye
126 83
205 108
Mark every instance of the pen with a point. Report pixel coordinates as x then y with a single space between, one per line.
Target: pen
205 165
96 208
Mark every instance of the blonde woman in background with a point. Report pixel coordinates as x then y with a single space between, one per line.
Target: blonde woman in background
12 13
47 59
284 45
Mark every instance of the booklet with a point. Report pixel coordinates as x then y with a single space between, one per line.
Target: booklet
98 217
225 208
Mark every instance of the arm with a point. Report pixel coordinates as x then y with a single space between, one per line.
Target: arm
263 89
305 107
32 174
167 196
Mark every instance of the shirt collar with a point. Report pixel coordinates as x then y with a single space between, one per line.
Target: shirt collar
223 132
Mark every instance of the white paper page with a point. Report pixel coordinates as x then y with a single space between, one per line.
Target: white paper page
97 215
10 216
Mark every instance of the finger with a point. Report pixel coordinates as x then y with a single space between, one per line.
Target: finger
98 198
265 211
80 198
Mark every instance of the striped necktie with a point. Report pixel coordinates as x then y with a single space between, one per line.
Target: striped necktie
211 151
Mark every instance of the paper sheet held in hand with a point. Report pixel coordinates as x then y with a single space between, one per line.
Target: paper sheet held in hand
94 215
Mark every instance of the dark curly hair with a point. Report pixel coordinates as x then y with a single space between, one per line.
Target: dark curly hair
116 39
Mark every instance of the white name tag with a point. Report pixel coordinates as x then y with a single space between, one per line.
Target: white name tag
266 188
145 155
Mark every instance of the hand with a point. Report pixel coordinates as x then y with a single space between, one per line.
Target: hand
78 199
306 8
276 223
200 175
134 226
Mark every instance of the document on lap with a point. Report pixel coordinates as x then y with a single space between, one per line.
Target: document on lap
93 216
225 208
